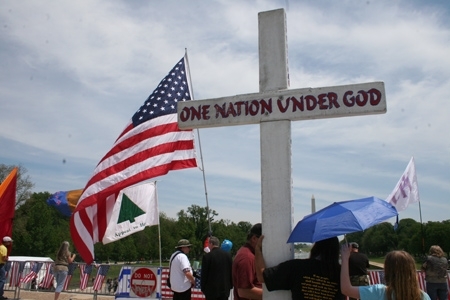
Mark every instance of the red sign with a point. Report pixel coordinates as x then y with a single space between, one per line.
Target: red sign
143 282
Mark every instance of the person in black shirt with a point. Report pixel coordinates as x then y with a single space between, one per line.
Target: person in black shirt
358 264
315 278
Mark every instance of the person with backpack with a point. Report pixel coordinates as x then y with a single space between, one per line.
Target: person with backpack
181 276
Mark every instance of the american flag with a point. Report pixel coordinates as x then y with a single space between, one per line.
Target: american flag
71 268
421 279
376 277
151 145
35 267
47 281
85 272
101 274
166 292
15 272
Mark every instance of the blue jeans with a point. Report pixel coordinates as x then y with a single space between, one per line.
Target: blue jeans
60 279
2 279
437 291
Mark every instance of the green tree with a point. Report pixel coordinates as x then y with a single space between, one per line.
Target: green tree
39 229
409 236
379 239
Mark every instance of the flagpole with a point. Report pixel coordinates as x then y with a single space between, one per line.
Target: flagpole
159 226
421 229
202 168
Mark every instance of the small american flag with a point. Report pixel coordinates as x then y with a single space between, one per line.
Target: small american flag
376 277
16 270
35 267
14 273
47 281
85 272
71 268
101 274
421 279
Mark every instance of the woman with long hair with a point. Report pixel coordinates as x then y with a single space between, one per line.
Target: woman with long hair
63 259
435 268
400 275
314 278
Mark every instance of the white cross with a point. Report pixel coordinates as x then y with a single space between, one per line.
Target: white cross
274 107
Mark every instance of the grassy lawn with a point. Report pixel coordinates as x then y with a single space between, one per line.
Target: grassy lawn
381 261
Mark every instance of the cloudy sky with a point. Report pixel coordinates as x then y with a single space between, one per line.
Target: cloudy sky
72 73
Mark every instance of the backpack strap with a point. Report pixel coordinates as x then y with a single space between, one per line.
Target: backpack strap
170 263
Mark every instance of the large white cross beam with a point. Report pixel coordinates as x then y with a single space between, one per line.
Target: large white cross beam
274 107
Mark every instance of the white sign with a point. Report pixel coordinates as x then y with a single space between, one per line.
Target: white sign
298 104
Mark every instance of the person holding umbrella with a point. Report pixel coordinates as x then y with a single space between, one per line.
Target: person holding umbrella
399 273
313 278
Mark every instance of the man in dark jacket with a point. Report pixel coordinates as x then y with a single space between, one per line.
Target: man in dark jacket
216 281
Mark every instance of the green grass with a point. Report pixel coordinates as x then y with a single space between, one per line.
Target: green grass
381 261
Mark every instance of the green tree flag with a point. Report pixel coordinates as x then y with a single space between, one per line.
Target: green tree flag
135 208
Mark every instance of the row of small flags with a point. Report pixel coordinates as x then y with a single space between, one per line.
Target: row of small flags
15 270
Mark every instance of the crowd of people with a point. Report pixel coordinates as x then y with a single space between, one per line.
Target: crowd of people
332 271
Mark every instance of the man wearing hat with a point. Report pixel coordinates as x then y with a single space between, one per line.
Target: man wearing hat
6 243
358 264
245 283
181 275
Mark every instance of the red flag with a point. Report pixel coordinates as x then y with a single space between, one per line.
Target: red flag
8 203
151 145
206 244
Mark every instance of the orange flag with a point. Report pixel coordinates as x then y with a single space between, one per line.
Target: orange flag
7 203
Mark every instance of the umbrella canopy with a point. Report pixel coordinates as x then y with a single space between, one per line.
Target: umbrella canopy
341 218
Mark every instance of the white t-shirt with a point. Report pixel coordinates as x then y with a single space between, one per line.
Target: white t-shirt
179 282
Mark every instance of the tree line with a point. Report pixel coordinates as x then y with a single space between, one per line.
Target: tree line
39 229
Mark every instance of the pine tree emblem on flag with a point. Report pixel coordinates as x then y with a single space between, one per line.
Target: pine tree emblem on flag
135 208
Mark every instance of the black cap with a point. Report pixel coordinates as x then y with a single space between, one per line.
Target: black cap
354 245
256 229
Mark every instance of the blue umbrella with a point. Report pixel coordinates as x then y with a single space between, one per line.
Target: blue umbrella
341 218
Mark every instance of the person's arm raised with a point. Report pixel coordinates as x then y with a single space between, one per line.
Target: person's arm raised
260 265
346 287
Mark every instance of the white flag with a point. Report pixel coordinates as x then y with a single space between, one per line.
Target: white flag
136 207
406 191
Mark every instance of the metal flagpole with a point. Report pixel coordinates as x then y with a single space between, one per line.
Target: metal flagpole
202 168
159 226
421 229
